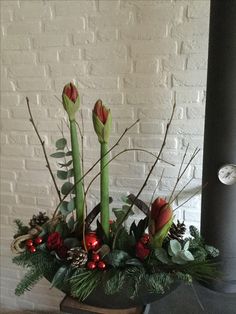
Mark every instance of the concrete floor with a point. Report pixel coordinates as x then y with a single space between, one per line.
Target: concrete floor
183 300
186 300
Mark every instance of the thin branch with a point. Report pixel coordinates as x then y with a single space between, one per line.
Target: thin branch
91 168
178 194
199 190
154 191
146 180
44 150
180 174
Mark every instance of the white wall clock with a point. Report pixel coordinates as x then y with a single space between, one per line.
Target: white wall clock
227 174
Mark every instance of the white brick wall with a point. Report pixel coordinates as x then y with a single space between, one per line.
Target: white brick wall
139 56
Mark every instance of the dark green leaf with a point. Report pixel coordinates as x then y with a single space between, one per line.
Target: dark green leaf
138 230
62 174
71 242
61 143
58 278
161 255
66 188
71 223
58 155
70 173
69 153
67 164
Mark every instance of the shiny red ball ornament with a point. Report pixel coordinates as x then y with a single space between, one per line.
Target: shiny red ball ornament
145 238
102 265
91 265
29 243
38 240
32 249
92 241
95 257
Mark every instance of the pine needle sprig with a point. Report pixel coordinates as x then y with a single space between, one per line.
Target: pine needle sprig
31 277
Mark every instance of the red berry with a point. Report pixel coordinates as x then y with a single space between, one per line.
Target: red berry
29 243
95 257
38 240
91 265
32 249
101 265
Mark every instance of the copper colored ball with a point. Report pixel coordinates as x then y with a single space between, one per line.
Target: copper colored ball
101 265
91 265
38 240
32 249
29 243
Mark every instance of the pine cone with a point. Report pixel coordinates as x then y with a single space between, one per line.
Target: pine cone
177 231
38 220
77 256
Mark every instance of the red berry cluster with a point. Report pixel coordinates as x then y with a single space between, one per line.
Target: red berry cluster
32 243
96 263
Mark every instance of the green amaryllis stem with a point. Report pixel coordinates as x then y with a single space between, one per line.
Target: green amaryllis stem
104 188
79 191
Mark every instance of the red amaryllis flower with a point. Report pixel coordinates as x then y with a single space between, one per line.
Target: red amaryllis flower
54 241
101 111
141 250
161 213
71 92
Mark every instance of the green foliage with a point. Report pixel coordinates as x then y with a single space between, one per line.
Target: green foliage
159 282
61 143
178 254
32 276
67 187
61 277
83 282
58 155
21 229
40 264
161 255
212 251
63 175
183 277
117 258
115 283
67 207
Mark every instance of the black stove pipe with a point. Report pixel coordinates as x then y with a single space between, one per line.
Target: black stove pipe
218 217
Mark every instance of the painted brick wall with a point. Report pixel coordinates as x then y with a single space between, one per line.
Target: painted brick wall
139 57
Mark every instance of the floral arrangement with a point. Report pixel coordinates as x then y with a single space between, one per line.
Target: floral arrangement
76 258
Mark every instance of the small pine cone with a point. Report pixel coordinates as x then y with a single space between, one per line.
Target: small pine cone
38 220
177 231
77 256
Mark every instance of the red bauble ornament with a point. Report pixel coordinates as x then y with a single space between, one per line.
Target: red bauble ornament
32 249
95 257
38 240
91 265
92 241
102 265
29 243
145 238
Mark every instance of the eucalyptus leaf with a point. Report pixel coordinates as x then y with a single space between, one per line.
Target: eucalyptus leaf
69 153
67 187
175 247
186 246
161 255
58 155
63 208
61 174
186 255
67 164
117 258
61 143
71 205
71 223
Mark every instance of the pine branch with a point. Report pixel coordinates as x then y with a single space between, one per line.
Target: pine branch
32 276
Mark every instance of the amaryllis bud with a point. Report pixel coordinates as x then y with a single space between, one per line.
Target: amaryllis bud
102 121
161 221
70 99
101 111
71 92
161 213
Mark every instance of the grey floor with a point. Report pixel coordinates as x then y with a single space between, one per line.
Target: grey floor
186 300
183 300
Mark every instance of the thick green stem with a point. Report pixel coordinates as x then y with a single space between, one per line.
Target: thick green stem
104 188
79 192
